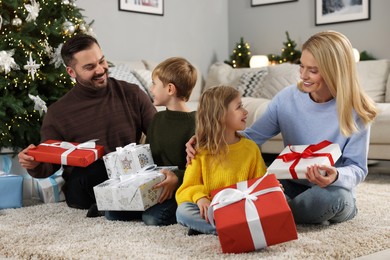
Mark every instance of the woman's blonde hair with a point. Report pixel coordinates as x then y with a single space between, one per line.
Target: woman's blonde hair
211 119
333 53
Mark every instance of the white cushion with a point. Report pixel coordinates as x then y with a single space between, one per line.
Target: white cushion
373 75
279 77
387 98
123 72
224 74
251 83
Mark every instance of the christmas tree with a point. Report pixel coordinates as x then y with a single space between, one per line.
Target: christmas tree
289 53
241 55
32 75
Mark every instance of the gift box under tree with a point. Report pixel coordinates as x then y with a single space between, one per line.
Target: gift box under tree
251 215
293 161
49 189
67 153
11 191
126 160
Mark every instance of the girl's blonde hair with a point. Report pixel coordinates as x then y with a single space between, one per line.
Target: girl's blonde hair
211 119
333 53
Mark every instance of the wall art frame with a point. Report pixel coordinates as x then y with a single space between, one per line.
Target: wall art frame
154 7
328 12
269 2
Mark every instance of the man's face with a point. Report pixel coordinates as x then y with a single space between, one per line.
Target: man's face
90 68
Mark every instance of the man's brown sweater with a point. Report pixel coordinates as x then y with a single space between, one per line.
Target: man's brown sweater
116 115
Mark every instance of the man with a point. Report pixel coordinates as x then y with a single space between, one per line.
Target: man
97 107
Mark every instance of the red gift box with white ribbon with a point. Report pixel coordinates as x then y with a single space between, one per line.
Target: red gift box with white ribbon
293 161
251 215
67 153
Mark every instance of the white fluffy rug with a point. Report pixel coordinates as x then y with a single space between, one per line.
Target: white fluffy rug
54 231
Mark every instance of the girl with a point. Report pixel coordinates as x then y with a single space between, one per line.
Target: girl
223 158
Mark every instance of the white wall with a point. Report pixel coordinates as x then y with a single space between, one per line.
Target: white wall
205 31
194 29
263 27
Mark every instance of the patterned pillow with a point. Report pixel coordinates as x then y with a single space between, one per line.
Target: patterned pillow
145 77
123 72
251 83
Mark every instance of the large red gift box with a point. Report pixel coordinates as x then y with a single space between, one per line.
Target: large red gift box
259 219
67 153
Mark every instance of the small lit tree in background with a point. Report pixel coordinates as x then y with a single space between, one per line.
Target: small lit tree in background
31 71
289 53
241 55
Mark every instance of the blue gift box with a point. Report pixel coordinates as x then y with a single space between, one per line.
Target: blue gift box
11 191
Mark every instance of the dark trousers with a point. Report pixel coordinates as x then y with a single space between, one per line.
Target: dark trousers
79 183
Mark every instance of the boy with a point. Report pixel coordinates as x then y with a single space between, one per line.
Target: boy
173 81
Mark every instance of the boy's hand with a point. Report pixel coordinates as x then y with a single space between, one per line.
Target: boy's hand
169 185
203 204
190 150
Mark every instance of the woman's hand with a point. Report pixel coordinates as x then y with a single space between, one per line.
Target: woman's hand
314 175
203 204
190 150
169 185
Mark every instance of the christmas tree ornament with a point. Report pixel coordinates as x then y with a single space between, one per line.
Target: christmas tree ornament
65 2
17 22
56 58
68 27
1 21
31 67
33 11
7 62
82 27
39 104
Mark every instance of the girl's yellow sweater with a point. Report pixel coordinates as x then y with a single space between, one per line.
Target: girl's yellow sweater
243 162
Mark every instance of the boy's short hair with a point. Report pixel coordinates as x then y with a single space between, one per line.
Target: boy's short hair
77 43
179 72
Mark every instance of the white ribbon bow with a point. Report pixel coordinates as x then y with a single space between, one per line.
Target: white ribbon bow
229 196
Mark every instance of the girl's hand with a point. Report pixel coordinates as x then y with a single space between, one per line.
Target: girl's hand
190 150
203 204
26 161
169 185
314 176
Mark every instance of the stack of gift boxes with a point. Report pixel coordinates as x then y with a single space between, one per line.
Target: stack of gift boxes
132 176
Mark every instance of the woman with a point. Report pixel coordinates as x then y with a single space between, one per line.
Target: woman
327 104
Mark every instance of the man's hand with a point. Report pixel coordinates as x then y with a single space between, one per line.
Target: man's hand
169 185
203 204
314 176
190 150
26 161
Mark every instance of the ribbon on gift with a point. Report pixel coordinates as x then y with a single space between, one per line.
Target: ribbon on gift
69 147
7 164
229 196
146 172
310 151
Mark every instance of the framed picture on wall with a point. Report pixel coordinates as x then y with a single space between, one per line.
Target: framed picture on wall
269 2
339 11
155 7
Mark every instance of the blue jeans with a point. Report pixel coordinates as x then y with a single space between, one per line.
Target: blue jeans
161 214
188 214
314 205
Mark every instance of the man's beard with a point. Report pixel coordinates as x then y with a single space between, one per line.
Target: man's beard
92 83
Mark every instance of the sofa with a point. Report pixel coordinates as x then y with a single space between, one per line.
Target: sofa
259 85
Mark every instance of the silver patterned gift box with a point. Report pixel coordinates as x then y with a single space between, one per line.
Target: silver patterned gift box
127 160
132 193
